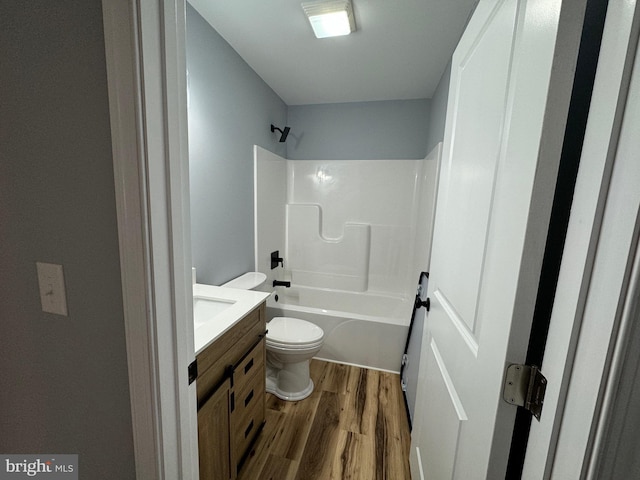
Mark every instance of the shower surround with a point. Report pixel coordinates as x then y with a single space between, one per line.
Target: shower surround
355 235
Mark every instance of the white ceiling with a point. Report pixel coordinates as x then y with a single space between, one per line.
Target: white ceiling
399 51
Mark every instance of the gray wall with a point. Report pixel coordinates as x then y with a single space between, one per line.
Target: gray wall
64 382
359 131
230 110
438 115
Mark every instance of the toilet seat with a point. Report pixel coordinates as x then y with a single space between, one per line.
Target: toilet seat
293 347
293 333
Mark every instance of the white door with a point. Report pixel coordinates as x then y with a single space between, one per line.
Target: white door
505 119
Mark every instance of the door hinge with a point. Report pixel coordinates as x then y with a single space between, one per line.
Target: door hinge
525 386
193 371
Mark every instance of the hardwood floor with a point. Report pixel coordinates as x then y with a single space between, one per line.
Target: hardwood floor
353 426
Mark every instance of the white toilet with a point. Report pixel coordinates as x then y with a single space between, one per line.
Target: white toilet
291 343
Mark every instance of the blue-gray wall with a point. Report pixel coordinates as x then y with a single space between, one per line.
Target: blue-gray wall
438 116
359 131
230 110
63 380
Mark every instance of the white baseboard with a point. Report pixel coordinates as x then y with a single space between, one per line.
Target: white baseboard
415 462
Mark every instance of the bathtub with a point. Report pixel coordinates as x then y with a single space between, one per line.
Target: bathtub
362 329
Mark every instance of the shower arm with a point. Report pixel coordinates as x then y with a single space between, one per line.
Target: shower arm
283 132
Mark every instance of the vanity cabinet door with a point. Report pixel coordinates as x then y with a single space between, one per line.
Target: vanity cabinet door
213 436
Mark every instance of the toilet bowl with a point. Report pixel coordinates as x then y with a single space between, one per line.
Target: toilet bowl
291 343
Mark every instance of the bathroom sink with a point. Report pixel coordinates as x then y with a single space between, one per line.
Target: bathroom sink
217 309
206 309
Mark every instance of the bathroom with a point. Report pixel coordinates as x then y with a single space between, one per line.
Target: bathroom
361 145
472 236
109 381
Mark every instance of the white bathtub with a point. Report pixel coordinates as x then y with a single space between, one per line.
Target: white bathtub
360 329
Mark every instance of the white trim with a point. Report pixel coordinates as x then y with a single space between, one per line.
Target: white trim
122 56
149 141
607 291
418 460
178 170
623 352
576 273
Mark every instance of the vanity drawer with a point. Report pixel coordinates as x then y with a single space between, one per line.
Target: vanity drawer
248 414
253 362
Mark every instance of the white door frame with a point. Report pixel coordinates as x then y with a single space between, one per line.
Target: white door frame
146 71
617 418
591 284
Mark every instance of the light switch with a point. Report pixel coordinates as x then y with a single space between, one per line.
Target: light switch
52 294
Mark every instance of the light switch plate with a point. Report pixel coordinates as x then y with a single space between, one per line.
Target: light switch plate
52 292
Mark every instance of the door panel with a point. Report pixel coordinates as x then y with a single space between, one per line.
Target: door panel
501 152
469 170
481 75
473 157
440 450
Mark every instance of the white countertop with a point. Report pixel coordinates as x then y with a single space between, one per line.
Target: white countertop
243 302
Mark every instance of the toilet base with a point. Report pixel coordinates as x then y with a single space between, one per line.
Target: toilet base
288 396
291 382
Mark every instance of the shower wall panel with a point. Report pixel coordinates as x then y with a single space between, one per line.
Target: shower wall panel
380 194
270 198
315 260
349 225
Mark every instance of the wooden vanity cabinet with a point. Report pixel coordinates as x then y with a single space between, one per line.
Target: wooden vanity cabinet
231 396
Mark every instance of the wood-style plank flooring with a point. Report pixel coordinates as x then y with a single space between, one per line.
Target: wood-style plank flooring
353 426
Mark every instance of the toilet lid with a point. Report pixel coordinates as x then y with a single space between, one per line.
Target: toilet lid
287 330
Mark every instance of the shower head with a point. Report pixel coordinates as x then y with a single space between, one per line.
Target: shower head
284 133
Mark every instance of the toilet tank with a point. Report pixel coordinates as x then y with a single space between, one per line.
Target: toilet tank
247 281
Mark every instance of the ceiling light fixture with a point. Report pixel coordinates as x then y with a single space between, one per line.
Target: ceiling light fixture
330 18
